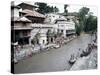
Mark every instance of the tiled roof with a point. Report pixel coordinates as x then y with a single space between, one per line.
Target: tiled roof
27 3
32 13
21 19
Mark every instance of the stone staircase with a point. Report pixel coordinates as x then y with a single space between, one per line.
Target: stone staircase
33 34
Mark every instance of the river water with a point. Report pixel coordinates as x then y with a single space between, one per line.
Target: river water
54 59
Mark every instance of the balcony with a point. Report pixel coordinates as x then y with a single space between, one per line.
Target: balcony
42 25
65 22
20 27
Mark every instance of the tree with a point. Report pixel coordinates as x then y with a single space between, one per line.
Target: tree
55 9
77 27
83 12
87 21
65 9
44 8
91 24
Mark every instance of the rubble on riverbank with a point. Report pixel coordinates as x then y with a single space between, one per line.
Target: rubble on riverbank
86 62
28 51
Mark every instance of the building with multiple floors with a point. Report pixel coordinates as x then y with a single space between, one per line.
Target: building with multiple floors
63 25
32 27
20 26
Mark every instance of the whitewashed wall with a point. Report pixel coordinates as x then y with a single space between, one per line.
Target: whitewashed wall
15 12
50 18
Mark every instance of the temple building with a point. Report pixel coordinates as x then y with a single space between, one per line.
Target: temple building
20 26
28 10
32 27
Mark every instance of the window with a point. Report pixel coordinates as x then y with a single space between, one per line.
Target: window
51 39
62 31
68 19
24 24
43 41
53 16
25 33
20 14
66 31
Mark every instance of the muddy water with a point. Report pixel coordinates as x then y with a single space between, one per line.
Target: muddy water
53 60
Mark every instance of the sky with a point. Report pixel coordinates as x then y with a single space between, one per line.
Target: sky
71 7
75 8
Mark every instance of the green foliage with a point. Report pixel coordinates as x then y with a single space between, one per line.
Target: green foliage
83 12
82 16
44 8
55 9
91 24
65 9
77 27
82 20
87 22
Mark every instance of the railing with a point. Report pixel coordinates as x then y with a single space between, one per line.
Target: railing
34 32
65 22
21 27
42 25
